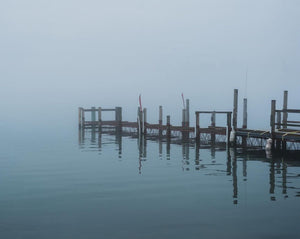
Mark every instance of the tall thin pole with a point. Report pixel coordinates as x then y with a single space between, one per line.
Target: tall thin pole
235 109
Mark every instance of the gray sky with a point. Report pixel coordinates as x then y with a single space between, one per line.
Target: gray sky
58 55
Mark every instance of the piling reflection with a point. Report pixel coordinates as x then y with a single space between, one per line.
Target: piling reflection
211 160
168 146
142 147
272 180
185 156
232 154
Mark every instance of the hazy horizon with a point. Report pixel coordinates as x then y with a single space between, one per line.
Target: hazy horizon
59 55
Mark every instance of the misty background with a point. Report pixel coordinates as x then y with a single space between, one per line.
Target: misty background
59 55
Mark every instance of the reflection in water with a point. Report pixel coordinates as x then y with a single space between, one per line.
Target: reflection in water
142 146
197 157
277 168
185 156
234 175
168 148
284 171
272 180
160 146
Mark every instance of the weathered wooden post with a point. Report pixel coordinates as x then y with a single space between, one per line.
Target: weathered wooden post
145 120
183 124
235 109
99 118
197 127
272 120
245 114
186 120
278 141
168 133
93 115
183 117
83 117
213 127
118 118
140 121
244 138
228 127
79 118
187 113
118 115
285 114
160 120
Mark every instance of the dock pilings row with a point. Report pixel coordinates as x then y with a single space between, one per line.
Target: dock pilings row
280 127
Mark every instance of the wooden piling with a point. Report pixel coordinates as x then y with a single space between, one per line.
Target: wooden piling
187 113
93 114
278 121
118 115
183 117
99 117
140 121
82 118
79 118
145 120
272 120
245 115
160 120
228 127
235 109
213 125
285 114
197 127
118 118
168 133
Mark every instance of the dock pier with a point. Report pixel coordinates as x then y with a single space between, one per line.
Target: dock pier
283 136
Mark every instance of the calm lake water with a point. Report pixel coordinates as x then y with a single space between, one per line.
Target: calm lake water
55 185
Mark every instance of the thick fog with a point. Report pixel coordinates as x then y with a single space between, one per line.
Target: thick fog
59 55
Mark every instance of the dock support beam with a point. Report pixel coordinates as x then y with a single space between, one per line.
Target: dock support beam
278 141
213 125
118 118
168 133
93 114
272 120
285 114
99 118
160 120
245 115
145 120
186 120
140 121
197 128
187 113
79 117
82 118
228 127
235 109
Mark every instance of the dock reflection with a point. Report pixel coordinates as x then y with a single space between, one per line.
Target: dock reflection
206 159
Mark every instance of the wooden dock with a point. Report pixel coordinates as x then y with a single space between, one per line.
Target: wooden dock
282 131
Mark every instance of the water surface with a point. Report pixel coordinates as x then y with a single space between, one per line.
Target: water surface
55 184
